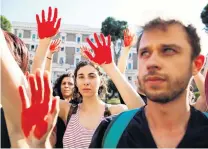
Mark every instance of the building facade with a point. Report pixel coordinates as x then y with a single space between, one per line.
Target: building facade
72 36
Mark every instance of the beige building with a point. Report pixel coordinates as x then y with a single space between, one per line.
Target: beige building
72 36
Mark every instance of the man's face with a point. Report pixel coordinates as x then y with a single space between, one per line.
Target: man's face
165 66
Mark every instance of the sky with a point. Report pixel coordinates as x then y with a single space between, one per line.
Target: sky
92 12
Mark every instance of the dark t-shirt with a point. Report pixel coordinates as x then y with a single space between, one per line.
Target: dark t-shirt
5 142
138 135
143 97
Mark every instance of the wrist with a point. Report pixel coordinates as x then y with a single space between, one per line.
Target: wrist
41 144
45 41
126 50
108 68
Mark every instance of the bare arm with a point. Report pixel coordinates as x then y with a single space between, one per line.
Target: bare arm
54 47
122 62
40 55
48 63
46 30
201 101
103 57
129 39
10 99
128 93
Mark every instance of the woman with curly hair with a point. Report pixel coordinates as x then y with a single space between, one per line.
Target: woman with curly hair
63 86
89 89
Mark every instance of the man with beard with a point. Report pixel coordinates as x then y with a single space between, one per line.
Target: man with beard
168 57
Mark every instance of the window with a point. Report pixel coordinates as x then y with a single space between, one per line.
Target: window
15 32
119 44
129 78
84 37
129 55
92 39
30 62
78 39
62 48
77 61
28 46
32 47
71 37
63 38
26 34
129 65
61 60
33 36
77 50
20 35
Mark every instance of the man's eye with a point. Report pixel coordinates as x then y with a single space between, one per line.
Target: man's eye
169 50
144 53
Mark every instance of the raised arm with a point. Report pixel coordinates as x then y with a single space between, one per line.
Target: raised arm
46 30
39 117
128 42
201 103
102 56
11 78
54 47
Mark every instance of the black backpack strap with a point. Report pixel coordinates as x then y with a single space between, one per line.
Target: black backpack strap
72 110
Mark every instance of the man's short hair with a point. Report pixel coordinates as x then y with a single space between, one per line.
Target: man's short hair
162 24
18 50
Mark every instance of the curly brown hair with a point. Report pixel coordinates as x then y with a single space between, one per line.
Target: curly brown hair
102 91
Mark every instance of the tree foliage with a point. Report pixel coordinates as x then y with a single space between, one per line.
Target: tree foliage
204 17
113 27
113 91
5 24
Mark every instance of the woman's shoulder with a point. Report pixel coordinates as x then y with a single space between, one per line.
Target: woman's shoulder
117 109
64 108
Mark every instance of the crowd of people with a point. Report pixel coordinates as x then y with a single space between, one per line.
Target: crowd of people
73 113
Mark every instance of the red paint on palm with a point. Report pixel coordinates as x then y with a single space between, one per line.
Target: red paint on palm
36 114
55 45
102 53
47 28
128 38
206 87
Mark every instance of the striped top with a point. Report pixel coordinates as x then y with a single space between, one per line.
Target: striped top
77 136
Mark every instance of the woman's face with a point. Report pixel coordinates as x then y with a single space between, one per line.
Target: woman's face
67 86
88 81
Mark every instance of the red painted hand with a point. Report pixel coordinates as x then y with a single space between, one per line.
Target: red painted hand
55 45
39 116
206 87
128 38
47 29
102 53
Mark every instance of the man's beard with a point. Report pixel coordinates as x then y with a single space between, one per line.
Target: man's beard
173 90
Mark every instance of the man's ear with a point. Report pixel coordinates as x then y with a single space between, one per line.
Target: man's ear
198 64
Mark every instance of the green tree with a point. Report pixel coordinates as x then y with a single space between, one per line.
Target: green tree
5 24
204 17
113 91
115 28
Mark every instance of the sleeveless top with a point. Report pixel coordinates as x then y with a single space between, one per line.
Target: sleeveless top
77 136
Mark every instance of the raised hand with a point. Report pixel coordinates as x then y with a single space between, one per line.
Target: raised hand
206 87
47 28
102 53
39 118
55 46
128 38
